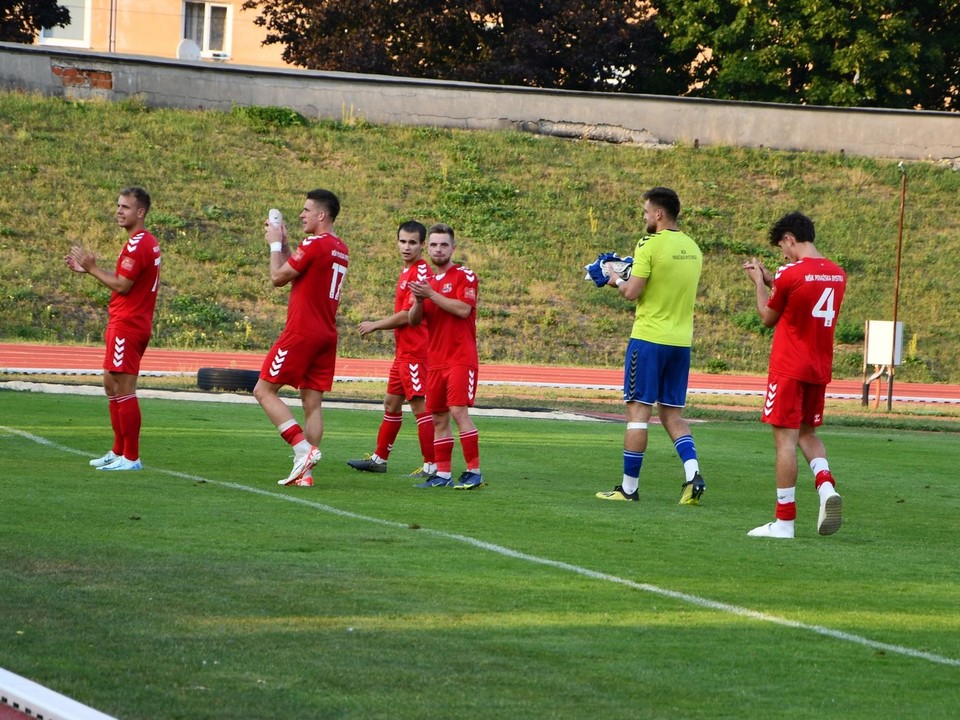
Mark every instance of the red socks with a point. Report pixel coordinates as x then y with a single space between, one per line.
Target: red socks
443 453
293 434
425 435
125 415
389 429
114 406
470 444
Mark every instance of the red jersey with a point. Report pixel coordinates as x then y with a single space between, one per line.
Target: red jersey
139 261
807 294
411 341
322 262
453 340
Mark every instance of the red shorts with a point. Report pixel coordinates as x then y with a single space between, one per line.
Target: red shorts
301 362
451 386
791 403
125 349
407 379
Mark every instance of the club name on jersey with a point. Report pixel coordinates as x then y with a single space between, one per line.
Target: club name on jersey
340 255
814 277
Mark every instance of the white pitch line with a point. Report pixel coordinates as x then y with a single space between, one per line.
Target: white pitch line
695 600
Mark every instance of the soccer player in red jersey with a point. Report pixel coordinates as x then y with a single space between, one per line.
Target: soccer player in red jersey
448 304
802 306
305 354
134 284
408 374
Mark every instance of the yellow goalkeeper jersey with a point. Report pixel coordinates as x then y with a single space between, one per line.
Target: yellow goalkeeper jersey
671 262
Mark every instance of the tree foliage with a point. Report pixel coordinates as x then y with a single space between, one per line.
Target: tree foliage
868 53
22 20
880 53
570 44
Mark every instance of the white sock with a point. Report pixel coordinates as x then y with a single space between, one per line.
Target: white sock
826 490
301 448
630 484
787 495
691 468
818 465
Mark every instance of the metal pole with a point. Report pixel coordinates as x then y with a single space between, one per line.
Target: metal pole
896 286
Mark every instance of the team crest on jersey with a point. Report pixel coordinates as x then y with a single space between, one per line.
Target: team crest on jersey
447 287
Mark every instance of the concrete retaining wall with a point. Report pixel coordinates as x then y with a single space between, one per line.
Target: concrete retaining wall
901 134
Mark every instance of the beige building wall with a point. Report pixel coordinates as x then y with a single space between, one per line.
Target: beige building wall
156 27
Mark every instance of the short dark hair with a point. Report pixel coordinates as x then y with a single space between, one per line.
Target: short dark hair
795 223
327 200
666 199
443 229
139 194
412 226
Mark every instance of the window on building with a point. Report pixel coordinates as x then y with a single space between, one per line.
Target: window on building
207 25
77 33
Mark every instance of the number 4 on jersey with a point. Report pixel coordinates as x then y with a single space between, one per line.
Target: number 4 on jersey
824 307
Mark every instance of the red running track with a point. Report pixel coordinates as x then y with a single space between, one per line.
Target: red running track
60 358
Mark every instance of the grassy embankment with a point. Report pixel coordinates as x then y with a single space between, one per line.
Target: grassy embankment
530 211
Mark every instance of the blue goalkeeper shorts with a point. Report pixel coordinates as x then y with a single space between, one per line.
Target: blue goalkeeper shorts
655 373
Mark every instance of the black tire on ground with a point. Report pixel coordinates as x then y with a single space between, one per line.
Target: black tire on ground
227 379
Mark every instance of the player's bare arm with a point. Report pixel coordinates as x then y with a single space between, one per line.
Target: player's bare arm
81 261
424 291
454 307
630 289
276 238
391 322
753 267
415 313
762 279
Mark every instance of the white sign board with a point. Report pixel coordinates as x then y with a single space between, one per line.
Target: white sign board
879 341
